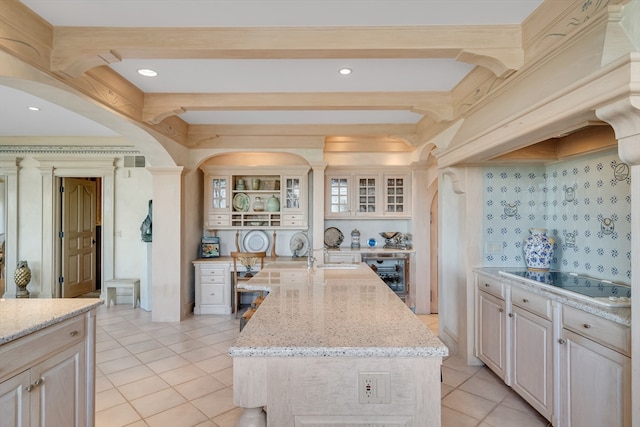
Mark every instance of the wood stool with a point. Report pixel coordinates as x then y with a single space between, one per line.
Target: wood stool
112 286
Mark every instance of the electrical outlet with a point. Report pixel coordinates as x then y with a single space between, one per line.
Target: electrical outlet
374 387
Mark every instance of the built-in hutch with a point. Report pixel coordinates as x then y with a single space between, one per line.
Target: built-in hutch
367 193
245 198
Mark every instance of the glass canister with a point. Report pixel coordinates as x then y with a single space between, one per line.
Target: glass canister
258 204
355 239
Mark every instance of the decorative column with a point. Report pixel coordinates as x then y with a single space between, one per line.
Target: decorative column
624 117
168 286
10 168
49 286
317 226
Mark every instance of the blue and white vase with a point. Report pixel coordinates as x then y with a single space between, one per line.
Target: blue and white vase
538 250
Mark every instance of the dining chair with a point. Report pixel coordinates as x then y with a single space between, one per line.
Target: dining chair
247 260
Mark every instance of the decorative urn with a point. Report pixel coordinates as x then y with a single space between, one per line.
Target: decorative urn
538 250
273 204
22 277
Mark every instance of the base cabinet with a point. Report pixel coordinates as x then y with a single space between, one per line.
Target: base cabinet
54 387
213 287
572 366
595 380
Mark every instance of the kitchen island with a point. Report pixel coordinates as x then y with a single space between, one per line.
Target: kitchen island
47 368
334 346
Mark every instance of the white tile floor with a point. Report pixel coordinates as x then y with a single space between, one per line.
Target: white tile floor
179 375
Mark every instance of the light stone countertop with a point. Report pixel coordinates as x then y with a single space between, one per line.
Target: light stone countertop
619 315
331 313
20 317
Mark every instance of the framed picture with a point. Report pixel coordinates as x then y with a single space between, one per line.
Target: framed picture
210 250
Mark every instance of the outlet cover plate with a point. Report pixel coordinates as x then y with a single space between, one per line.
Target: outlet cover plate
374 387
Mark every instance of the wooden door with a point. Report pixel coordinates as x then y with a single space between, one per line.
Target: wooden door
78 237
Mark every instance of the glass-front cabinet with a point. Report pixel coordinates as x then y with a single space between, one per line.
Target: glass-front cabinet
367 194
396 195
255 198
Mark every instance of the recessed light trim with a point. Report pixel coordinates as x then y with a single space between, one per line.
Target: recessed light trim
147 72
33 108
345 71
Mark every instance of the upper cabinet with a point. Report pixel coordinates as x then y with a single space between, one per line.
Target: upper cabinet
367 194
255 198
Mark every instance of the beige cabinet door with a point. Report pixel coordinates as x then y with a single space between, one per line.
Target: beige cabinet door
59 399
595 384
14 401
532 359
78 237
492 333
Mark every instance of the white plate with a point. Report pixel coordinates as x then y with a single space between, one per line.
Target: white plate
298 244
256 241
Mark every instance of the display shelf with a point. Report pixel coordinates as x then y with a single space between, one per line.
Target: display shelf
227 208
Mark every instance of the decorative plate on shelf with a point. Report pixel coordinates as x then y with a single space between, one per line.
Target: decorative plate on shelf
256 241
333 237
241 202
298 245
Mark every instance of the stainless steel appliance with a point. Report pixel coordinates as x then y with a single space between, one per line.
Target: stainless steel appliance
393 269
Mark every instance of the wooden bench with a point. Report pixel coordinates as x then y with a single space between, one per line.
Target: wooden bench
112 286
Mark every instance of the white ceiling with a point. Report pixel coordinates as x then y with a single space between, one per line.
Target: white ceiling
262 75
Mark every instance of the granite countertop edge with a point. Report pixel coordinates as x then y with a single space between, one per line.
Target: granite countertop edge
433 351
36 324
617 315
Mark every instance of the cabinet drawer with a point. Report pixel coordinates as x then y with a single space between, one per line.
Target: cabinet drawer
292 217
212 294
219 219
212 276
491 286
608 333
534 303
32 348
292 223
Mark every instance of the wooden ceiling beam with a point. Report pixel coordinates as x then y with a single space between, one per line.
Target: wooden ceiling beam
77 49
158 106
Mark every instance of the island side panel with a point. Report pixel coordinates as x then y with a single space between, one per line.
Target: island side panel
250 381
325 390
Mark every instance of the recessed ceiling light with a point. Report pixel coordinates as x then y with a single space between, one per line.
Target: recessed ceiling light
33 108
345 71
147 72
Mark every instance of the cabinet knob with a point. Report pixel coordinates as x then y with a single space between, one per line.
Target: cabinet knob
562 341
510 314
586 326
501 310
73 333
38 382
524 300
487 285
28 388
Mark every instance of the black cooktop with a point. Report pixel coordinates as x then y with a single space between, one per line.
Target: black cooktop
604 291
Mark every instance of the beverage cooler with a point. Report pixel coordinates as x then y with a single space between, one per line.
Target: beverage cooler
393 269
